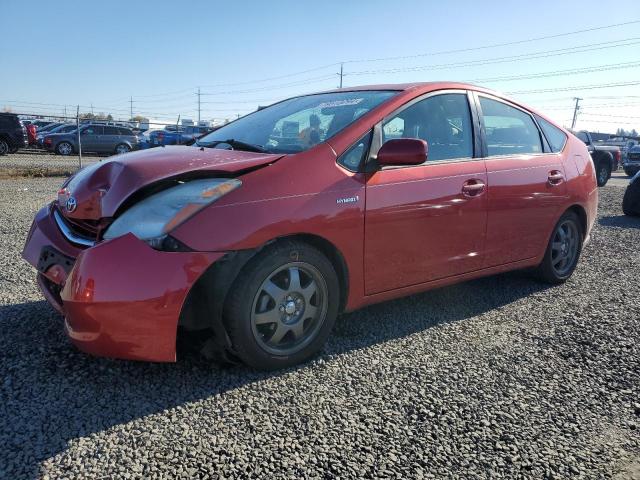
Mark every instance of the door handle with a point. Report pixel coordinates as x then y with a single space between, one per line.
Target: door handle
472 188
555 177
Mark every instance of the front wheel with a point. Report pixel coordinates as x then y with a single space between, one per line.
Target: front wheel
282 307
563 250
64 148
4 147
122 148
631 200
603 174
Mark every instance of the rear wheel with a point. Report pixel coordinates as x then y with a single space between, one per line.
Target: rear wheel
563 250
603 173
282 307
4 147
64 148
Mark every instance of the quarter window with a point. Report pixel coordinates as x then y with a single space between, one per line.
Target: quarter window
509 131
555 136
444 121
355 155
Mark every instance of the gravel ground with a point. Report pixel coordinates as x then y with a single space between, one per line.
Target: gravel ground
497 378
39 163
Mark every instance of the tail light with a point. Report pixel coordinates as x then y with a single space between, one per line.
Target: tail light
618 155
48 140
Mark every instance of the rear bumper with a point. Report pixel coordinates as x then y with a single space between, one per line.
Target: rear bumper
121 299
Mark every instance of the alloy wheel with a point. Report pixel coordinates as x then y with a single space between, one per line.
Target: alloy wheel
4 147
65 148
603 175
564 247
120 149
289 308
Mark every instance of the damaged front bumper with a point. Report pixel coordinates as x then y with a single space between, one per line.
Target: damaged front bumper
120 298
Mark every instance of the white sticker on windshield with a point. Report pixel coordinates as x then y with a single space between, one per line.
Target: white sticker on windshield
341 103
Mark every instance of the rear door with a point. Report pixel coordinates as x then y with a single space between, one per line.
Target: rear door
526 183
425 222
110 139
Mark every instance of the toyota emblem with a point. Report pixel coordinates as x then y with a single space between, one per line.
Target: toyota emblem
71 204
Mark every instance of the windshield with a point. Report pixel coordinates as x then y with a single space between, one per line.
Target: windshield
297 124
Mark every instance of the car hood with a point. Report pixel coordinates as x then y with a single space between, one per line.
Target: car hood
100 189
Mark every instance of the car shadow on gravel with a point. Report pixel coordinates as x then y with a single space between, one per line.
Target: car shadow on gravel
52 394
622 221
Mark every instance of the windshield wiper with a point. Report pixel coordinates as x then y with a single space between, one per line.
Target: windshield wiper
235 144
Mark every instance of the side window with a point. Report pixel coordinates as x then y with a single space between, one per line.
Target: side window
444 121
124 131
556 137
509 131
355 155
111 131
583 136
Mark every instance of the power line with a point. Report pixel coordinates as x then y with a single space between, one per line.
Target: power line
495 45
573 71
505 59
275 87
575 87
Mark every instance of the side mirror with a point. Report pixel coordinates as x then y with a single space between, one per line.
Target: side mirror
403 151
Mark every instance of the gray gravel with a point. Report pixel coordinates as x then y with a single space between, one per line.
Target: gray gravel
496 378
32 162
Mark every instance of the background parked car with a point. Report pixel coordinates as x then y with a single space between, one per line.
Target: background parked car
631 163
94 138
63 128
172 135
13 135
606 158
31 133
631 200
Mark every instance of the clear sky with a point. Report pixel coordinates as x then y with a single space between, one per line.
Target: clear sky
63 53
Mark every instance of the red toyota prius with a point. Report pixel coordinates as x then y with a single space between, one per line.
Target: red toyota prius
255 238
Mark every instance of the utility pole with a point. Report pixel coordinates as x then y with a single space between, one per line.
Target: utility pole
575 112
131 106
341 73
92 108
78 136
198 105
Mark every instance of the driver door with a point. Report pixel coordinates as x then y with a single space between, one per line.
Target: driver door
90 138
427 222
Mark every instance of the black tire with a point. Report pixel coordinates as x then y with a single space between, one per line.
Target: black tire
546 271
629 173
247 292
603 173
64 148
13 149
122 148
4 146
631 200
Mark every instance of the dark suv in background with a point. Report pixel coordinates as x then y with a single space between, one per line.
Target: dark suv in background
13 135
94 138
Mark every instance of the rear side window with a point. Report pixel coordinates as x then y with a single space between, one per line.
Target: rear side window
556 137
111 131
124 131
509 131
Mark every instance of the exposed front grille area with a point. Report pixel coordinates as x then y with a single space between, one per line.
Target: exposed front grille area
82 233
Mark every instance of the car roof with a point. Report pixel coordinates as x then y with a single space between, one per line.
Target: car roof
410 86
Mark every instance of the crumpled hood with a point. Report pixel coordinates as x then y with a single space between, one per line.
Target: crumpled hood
101 188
